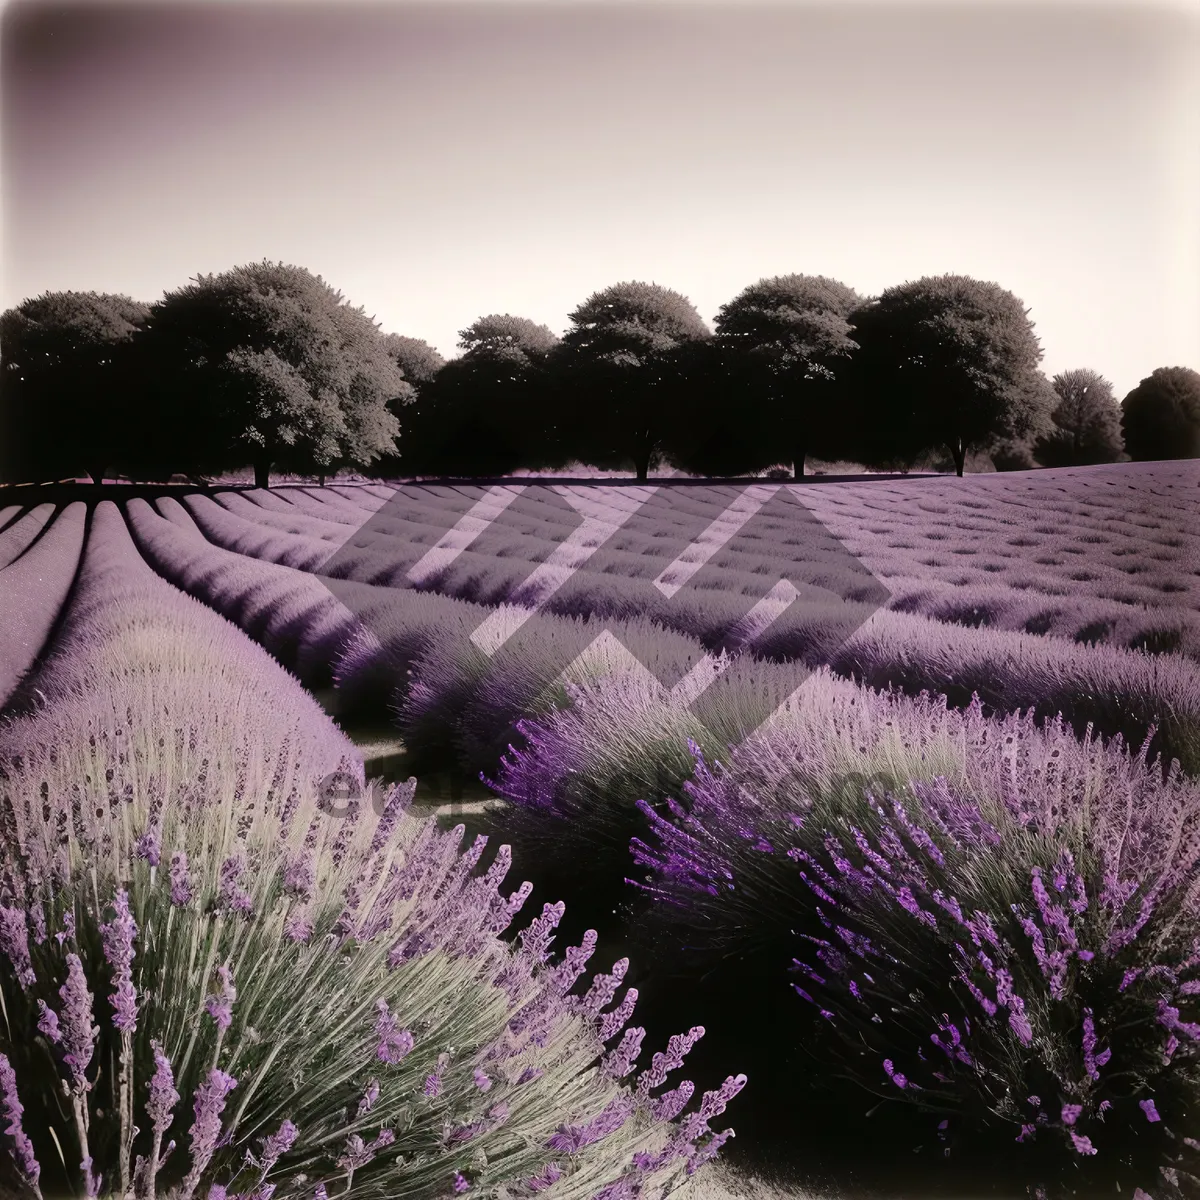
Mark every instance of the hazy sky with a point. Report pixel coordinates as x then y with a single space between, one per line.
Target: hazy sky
439 162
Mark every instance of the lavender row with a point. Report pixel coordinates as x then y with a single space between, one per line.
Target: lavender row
290 1006
17 533
33 590
970 912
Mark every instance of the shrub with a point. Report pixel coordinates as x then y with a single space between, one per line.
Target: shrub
1007 942
33 590
208 985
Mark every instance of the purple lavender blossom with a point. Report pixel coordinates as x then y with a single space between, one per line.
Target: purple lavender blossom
68 929
619 1062
207 1107
664 1063
75 1023
298 927
14 944
670 1104
13 1110
163 1096
369 1097
37 918
118 936
276 1145
394 1042
149 846
615 1020
460 1183
48 1022
1147 1106
220 1006
181 888
549 1176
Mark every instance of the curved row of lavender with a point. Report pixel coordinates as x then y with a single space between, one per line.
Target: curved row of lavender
211 989
294 615
1046 661
994 922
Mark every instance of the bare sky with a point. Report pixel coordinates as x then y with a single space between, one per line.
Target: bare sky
439 162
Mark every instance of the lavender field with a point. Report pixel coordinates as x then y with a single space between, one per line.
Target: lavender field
885 790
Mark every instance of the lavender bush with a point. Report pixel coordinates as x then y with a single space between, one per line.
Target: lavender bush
33 589
211 988
19 528
1007 943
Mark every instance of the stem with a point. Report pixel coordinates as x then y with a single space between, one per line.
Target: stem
80 1111
126 1107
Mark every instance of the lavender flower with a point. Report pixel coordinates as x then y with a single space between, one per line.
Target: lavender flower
163 1096
68 929
48 1022
1147 1106
14 944
394 1042
220 1007
276 1145
118 937
26 1159
298 927
78 1033
367 1102
181 889
207 1107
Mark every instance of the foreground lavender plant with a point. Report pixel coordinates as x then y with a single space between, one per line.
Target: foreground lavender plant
962 950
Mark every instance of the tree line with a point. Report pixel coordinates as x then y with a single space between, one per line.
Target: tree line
268 364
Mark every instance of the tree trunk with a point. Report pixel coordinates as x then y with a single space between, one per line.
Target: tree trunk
321 480
960 456
262 473
798 465
97 474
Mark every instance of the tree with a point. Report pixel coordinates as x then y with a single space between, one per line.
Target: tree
268 361
64 371
419 361
945 361
1087 422
791 337
622 366
1160 418
489 411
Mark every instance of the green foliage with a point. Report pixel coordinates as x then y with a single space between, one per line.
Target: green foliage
946 361
419 361
64 371
789 335
621 373
1087 423
491 410
1160 418
267 362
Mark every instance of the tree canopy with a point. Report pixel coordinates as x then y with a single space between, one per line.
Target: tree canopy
269 362
489 411
1087 422
419 361
620 367
64 376
790 338
946 361
1160 418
